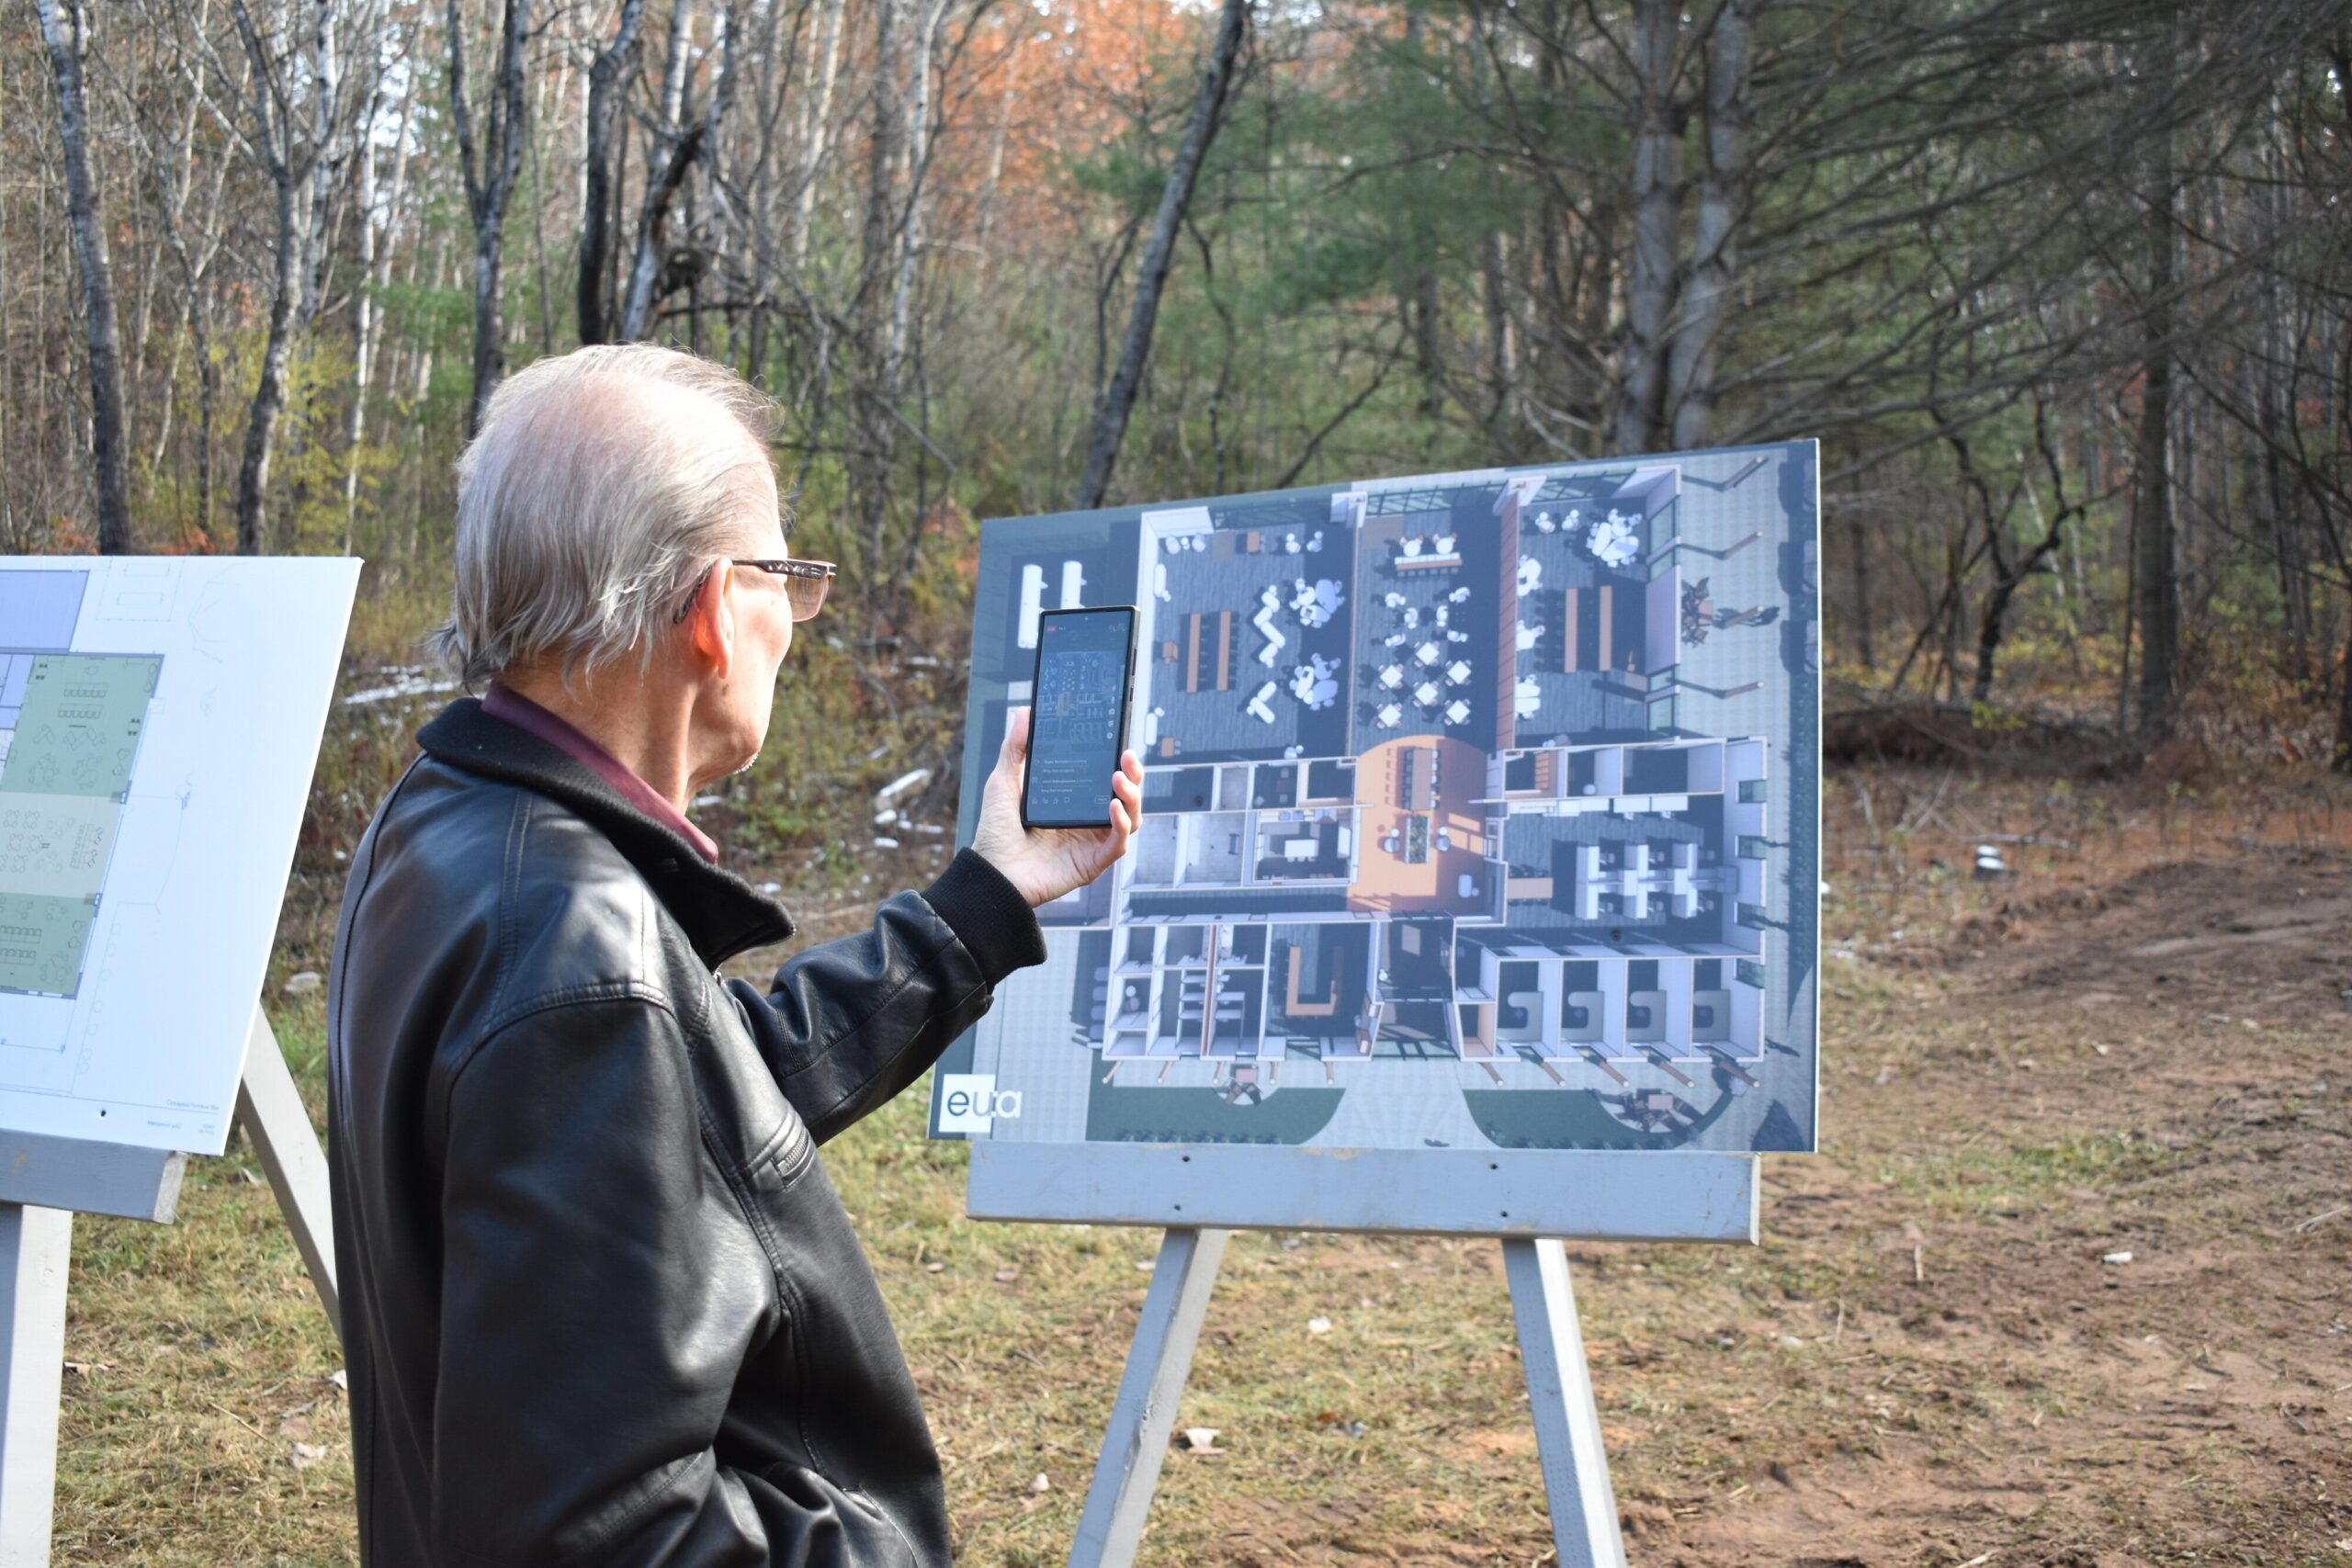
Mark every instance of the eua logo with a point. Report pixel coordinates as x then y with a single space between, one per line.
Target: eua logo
969 1102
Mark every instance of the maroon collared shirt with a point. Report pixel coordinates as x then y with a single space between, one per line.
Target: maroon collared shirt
502 702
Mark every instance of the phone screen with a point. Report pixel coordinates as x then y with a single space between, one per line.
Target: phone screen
1077 715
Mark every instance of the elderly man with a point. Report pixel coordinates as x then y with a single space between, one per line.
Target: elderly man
602 1304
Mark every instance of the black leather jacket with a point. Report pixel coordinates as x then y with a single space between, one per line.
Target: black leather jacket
600 1303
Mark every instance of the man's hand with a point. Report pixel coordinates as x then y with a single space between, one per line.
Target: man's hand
1045 862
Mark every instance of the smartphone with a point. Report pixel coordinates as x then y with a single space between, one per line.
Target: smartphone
1077 715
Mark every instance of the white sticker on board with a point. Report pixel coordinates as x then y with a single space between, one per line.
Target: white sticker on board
966 1102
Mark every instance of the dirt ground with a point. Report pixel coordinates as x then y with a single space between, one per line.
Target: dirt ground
2087 1166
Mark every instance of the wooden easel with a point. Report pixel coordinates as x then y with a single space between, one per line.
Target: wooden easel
43 1183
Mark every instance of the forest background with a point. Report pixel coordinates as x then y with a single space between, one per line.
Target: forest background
2063 286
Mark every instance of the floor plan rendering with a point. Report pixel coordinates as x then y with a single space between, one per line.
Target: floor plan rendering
69 730
1479 810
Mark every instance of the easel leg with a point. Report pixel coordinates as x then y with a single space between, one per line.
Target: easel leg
1559 1393
35 1246
271 1110
1112 1526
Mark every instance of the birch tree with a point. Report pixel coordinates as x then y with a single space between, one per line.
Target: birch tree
672 146
297 102
609 79
64 29
490 159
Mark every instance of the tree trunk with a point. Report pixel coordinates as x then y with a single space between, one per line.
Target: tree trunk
992 186
490 164
651 251
815 134
65 28
1502 359
269 391
931 13
2271 404
608 82
1657 197
1423 307
375 271
1859 540
663 178
874 403
2007 578
2155 588
192 269
2344 707
1119 398
1723 197
556 85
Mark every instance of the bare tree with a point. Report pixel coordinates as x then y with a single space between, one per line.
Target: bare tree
65 28
490 162
1655 193
171 171
815 131
874 452
2155 588
301 103
1722 200
375 272
608 82
2012 571
672 146
1159 253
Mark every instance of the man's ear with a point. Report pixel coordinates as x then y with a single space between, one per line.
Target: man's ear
711 622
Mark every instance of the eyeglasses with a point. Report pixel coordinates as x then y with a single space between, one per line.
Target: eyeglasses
805 582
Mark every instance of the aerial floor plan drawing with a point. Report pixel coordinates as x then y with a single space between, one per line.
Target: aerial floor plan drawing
69 730
1480 810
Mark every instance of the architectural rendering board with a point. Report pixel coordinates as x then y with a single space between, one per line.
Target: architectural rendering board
1480 813
159 719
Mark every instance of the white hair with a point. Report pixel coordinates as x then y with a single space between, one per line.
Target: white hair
594 497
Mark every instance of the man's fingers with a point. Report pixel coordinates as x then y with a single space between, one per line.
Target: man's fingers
1123 823
1016 738
1127 805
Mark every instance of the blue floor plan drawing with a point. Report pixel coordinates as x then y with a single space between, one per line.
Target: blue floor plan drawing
1480 810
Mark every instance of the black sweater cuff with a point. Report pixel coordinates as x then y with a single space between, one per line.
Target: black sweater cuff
987 915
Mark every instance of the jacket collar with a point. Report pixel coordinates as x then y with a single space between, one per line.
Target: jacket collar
721 914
